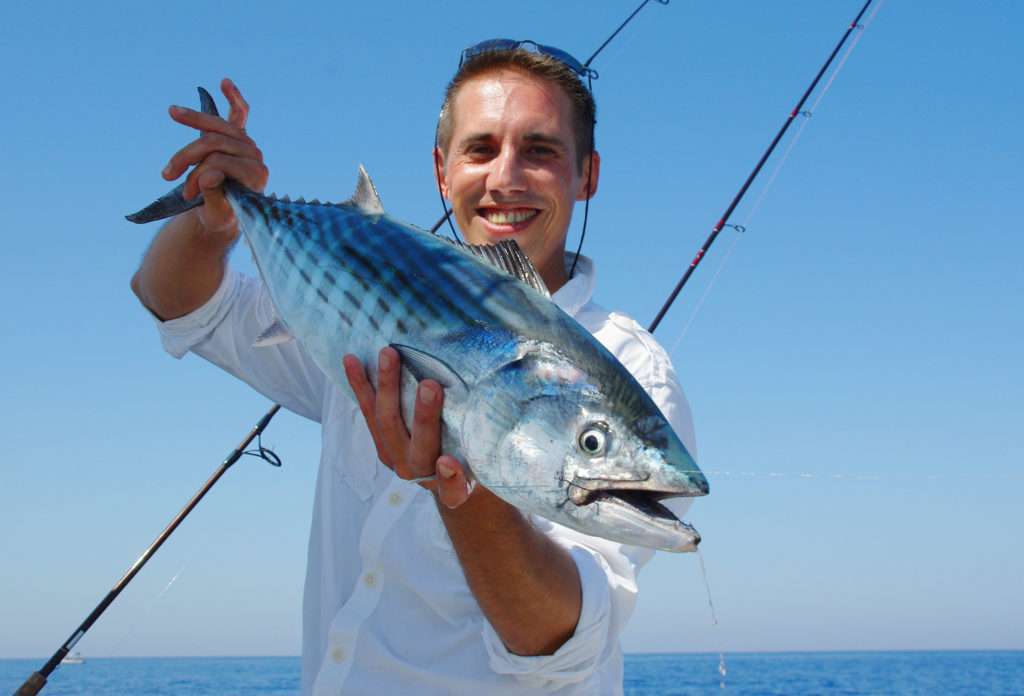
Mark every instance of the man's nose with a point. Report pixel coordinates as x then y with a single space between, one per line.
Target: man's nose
507 174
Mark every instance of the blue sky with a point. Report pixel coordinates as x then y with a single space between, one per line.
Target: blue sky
854 372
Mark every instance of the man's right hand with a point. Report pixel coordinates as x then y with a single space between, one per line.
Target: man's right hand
222 150
186 262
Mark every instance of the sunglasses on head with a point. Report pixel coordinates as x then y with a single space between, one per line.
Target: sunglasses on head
511 44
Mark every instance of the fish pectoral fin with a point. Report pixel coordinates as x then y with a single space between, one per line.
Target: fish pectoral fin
366 197
274 334
173 202
423 366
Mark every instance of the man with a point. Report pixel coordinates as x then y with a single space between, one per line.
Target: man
428 588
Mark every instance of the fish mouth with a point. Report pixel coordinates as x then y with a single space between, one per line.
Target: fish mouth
645 502
639 516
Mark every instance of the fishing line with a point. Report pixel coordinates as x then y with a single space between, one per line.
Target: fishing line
854 25
756 206
147 611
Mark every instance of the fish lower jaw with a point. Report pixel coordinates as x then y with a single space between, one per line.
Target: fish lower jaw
641 501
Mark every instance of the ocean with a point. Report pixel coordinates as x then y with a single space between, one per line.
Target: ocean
647 674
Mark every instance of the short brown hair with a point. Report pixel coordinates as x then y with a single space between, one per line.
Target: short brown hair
584 110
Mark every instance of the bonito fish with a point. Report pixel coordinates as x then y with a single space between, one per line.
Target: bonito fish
538 410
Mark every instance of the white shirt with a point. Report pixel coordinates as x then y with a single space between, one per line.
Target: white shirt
386 608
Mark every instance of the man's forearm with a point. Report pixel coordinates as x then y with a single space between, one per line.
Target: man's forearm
526 584
182 269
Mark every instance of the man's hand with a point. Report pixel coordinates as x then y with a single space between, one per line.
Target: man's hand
410 455
185 264
222 150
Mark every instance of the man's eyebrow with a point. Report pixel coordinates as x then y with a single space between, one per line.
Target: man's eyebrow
545 139
476 138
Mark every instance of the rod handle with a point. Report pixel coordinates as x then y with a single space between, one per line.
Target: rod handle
32 686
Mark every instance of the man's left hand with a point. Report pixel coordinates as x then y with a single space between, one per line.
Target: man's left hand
410 455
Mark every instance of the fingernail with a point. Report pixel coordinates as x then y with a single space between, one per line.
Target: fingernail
167 171
385 359
427 395
446 470
176 110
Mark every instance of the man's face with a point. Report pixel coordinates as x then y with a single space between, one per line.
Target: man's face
511 167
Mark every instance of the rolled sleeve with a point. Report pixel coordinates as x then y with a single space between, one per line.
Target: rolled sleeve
578 658
223 330
179 336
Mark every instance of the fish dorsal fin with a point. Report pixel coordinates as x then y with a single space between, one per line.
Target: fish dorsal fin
366 197
273 334
508 257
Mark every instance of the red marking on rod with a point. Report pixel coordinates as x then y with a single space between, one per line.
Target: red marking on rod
697 258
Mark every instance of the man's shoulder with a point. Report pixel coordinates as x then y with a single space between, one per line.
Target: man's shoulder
628 341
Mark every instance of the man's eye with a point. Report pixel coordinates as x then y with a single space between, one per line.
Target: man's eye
541 151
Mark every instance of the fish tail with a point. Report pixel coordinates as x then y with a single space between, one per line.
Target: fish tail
174 202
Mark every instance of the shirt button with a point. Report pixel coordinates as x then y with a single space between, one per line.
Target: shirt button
338 654
370 580
395 498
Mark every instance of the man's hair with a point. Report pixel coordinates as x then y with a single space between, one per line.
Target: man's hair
582 105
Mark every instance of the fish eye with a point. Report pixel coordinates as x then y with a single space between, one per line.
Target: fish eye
594 439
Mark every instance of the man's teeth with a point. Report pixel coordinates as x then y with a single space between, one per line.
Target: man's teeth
509 217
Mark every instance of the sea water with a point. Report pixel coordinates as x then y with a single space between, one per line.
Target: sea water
850 673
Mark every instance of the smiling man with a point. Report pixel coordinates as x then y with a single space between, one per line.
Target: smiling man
432 588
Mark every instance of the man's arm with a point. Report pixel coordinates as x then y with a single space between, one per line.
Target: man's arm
526 584
185 264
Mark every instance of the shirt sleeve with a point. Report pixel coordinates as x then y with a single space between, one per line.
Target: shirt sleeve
223 331
577 658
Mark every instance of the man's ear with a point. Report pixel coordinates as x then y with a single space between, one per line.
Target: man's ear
594 169
439 171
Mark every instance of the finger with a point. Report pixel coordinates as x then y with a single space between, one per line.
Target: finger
389 410
239 113
251 174
366 398
205 122
425 445
197 150
452 486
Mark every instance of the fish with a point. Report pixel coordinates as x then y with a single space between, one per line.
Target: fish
538 411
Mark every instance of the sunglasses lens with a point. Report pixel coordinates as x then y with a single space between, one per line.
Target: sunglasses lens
490 45
560 55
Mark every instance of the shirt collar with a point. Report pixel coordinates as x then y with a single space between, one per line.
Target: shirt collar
576 293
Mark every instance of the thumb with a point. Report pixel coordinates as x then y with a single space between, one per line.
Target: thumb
216 215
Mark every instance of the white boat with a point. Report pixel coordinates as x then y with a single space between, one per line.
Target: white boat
74 658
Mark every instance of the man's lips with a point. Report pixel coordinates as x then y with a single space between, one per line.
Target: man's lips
508 220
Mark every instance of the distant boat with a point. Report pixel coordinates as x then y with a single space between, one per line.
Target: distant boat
74 658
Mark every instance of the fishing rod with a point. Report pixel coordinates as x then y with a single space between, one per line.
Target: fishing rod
38 679
724 220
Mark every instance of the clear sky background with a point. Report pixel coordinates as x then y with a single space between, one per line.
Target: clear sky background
855 372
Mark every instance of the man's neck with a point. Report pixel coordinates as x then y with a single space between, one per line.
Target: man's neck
554 274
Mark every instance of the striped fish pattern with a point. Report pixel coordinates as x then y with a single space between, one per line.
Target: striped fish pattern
538 410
